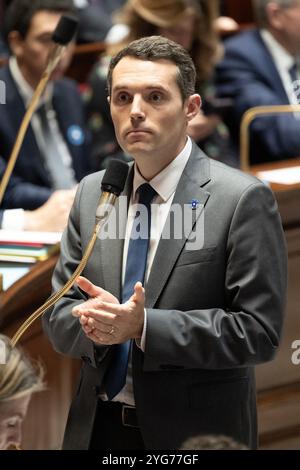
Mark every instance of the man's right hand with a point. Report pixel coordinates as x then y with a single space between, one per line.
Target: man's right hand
53 215
97 295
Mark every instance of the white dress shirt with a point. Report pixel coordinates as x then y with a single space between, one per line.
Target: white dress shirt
165 184
283 61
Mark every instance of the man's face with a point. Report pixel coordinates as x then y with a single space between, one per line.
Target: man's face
32 52
147 109
287 23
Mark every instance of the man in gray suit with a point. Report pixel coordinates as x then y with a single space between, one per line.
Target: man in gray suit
213 303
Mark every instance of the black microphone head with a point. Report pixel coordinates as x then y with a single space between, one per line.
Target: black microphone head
65 30
115 176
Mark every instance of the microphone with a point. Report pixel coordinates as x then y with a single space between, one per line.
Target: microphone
113 183
63 34
65 30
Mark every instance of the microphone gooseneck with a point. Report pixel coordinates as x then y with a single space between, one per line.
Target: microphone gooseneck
114 178
62 35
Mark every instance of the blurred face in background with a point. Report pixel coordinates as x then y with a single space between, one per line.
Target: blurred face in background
12 414
32 51
284 24
182 33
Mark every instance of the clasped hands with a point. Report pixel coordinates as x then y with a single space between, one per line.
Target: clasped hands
104 320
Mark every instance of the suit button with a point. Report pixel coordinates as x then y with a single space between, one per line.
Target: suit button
86 359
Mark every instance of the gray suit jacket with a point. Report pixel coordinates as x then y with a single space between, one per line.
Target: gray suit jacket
212 313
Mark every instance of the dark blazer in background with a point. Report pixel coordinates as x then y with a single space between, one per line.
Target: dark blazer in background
95 20
212 313
34 186
12 188
248 75
3 47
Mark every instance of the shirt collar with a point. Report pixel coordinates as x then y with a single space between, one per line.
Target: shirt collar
166 181
25 90
281 57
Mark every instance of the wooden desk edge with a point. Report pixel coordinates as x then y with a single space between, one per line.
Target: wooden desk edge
277 187
31 289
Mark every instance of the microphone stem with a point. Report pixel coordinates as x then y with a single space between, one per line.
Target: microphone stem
107 199
54 58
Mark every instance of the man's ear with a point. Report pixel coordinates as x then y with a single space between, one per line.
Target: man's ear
193 105
15 42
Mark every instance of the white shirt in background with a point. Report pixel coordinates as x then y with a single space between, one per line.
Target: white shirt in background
283 61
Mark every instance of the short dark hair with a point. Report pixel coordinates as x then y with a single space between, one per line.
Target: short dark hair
155 48
20 13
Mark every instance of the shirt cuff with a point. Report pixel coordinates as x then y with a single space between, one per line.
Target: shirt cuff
13 219
141 343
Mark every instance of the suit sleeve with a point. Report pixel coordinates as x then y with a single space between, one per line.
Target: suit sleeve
238 78
21 194
64 330
246 331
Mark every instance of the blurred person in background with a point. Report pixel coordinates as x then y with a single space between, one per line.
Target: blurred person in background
51 216
261 68
54 155
19 379
95 18
3 47
187 22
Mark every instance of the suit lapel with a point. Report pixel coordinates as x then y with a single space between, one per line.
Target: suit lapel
195 175
267 66
111 249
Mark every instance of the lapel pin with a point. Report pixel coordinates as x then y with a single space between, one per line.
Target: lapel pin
75 135
194 204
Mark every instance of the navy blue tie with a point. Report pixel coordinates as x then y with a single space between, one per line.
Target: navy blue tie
135 271
293 72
